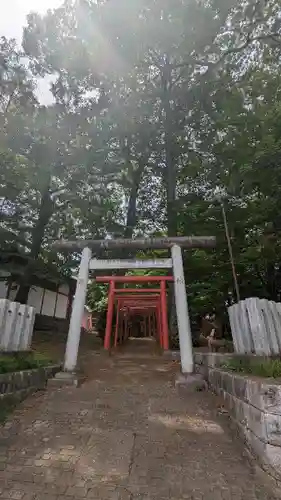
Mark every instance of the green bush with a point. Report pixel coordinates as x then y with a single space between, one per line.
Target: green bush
260 367
18 362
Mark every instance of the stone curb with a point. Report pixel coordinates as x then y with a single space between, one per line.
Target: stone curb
16 386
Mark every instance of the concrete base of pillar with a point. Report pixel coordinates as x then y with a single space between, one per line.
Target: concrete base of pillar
190 382
174 355
66 379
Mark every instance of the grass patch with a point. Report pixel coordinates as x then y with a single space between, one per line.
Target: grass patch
259 367
17 362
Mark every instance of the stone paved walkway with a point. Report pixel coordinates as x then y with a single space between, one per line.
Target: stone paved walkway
125 434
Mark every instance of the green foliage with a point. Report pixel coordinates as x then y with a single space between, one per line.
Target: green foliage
15 363
260 367
146 123
97 297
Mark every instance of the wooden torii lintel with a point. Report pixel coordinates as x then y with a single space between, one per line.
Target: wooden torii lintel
138 243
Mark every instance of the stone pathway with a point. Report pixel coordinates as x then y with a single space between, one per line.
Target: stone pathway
125 434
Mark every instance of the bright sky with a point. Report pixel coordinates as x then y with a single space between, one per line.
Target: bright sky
13 14
13 18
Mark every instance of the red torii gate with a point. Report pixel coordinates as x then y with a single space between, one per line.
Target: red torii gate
162 307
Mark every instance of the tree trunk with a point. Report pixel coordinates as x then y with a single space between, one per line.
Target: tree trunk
45 213
170 171
131 219
271 281
132 205
170 181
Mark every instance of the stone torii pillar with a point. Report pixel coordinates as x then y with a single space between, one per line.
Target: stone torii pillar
175 244
183 320
74 332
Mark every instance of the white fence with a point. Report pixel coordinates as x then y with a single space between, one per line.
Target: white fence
16 326
256 326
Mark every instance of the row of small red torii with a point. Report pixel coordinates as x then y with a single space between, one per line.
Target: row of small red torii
175 245
146 300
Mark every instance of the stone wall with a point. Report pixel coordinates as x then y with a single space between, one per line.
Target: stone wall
254 405
17 386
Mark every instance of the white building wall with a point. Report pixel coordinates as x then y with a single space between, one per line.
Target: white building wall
35 298
51 306
61 307
49 303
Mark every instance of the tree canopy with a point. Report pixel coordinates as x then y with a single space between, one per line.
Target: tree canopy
157 106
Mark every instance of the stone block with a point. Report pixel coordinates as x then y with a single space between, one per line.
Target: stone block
219 392
211 359
172 355
239 387
227 381
229 402
223 381
249 417
255 421
217 359
63 379
238 410
20 380
226 400
267 455
213 378
200 369
200 358
272 456
265 396
190 382
230 387
26 377
41 376
272 424
5 383
254 394
271 395
218 377
255 444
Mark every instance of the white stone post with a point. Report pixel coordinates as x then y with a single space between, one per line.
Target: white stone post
14 344
183 321
26 334
4 307
258 327
10 326
74 332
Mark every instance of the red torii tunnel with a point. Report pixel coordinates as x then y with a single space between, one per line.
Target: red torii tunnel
150 303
